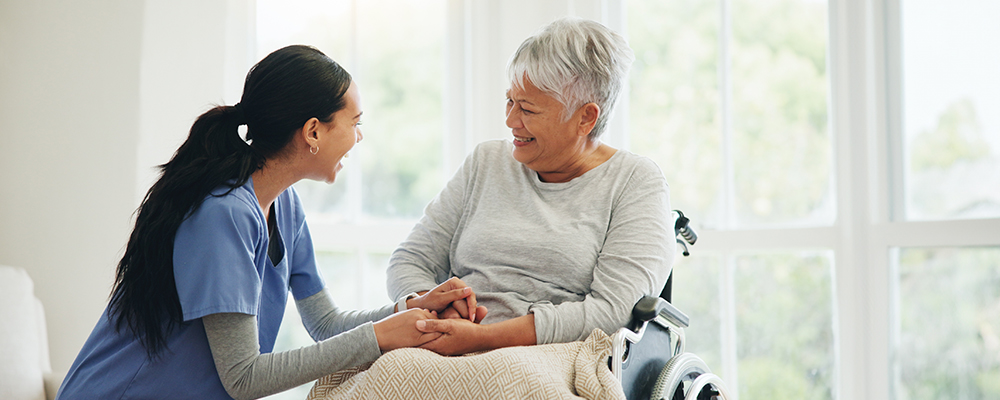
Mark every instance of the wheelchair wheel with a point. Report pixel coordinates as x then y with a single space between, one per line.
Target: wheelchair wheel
687 377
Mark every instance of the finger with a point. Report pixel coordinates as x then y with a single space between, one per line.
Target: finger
481 313
462 307
423 314
449 313
428 337
472 306
454 283
457 294
434 325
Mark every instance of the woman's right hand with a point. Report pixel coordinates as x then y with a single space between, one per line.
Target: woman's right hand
399 330
452 295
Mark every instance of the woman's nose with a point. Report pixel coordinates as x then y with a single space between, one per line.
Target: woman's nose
361 136
513 121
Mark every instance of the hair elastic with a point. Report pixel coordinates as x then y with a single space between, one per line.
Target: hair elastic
240 116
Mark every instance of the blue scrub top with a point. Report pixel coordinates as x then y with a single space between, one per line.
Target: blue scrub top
220 266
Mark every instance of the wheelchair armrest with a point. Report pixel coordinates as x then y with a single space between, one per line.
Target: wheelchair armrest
649 307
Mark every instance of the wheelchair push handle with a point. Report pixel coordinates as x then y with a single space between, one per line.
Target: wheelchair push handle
683 229
683 232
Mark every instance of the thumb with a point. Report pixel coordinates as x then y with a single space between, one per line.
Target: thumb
434 325
457 294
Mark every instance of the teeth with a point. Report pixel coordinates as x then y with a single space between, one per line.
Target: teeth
524 140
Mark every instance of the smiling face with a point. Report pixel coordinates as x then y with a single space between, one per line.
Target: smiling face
544 140
338 136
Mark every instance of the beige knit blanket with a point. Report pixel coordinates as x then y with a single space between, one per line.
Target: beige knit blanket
553 371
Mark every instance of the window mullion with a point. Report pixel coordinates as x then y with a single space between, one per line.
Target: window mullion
355 177
727 317
726 113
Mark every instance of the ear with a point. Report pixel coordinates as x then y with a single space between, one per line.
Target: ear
310 132
588 118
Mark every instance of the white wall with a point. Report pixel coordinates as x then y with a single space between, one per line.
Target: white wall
89 90
69 99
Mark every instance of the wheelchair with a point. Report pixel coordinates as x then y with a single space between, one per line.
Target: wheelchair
648 356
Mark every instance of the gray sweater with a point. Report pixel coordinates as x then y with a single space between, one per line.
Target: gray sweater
577 254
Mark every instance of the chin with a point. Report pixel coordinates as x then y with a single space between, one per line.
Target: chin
521 157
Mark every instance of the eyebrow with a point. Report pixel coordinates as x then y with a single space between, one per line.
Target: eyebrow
359 115
519 100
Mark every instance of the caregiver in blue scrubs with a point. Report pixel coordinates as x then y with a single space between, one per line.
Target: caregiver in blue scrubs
221 239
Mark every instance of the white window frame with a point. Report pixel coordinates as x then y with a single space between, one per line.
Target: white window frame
863 55
866 45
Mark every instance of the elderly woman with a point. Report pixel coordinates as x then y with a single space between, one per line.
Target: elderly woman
557 232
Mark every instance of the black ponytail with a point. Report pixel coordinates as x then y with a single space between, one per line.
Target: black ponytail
282 92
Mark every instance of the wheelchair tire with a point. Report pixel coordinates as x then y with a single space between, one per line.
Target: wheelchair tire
687 377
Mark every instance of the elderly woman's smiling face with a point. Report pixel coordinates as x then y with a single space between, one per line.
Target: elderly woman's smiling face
545 141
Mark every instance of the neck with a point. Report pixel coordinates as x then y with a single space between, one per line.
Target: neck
269 182
592 154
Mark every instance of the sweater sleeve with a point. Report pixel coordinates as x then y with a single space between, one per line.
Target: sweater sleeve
248 374
422 261
323 319
635 260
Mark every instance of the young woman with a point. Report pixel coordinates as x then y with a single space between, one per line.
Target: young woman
221 239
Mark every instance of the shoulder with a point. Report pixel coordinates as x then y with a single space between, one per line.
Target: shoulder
492 151
638 168
228 207
238 200
488 158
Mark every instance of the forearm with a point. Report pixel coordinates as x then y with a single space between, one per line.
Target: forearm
573 321
518 331
248 374
323 319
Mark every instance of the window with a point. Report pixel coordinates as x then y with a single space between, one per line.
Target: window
950 127
730 98
944 199
397 60
839 160
948 311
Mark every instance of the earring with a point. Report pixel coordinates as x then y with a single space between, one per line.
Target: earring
313 150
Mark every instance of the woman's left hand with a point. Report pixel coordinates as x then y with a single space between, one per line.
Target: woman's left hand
458 336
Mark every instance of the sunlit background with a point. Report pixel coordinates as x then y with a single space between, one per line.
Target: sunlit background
840 160
732 98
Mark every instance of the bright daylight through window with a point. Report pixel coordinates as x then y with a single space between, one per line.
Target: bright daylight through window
740 128
737 101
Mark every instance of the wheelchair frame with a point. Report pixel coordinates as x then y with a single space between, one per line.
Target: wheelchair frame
658 367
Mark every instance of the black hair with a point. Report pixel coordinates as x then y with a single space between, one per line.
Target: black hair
281 93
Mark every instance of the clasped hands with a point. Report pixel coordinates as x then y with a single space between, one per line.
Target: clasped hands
444 319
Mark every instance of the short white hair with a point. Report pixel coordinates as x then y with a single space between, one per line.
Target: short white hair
578 61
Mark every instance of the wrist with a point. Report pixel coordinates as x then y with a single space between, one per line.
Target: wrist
486 338
404 304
